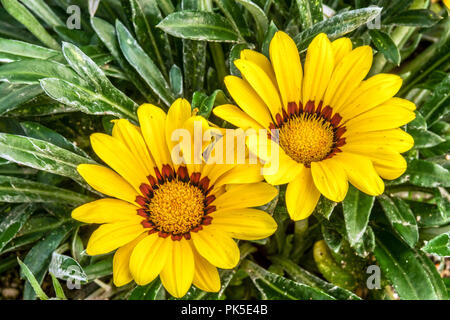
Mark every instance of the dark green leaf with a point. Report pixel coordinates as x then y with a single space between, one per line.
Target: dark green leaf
384 43
439 246
414 18
427 174
424 138
153 291
311 12
12 222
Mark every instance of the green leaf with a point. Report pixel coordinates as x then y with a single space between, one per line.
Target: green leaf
59 291
434 108
31 71
414 18
176 80
66 268
41 155
194 65
337 26
14 189
268 38
325 207
412 274
13 221
12 96
424 138
43 11
21 14
311 12
19 50
357 207
143 64
199 25
401 218
99 269
274 287
32 280
439 246
38 258
303 276
262 23
427 174
384 43
153 291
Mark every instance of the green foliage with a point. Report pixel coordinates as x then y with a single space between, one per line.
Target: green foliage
58 86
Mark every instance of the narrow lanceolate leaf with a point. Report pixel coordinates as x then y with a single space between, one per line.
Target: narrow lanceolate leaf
401 218
274 287
427 174
199 25
12 96
21 14
194 65
357 207
412 274
176 80
424 138
434 108
337 25
311 12
19 50
439 246
143 64
261 20
414 18
38 258
41 155
59 291
13 221
31 71
153 291
43 11
32 281
384 43
19 190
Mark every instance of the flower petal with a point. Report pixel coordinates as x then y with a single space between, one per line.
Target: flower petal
244 224
153 126
206 276
287 169
245 196
241 173
107 182
149 257
110 236
121 262
178 272
319 66
330 179
341 47
178 113
288 69
396 139
236 117
361 173
301 195
217 247
261 60
106 211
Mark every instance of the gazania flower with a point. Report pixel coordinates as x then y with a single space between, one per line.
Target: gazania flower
332 126
172 220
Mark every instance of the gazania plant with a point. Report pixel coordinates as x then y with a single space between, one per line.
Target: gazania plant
226 149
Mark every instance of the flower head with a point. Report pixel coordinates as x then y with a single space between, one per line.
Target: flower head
332 126
165 218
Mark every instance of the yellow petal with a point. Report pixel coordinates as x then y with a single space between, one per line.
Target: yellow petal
288 69
107 182
347 76
178 272
341 47
245 224
261 60
383 117
287 170
153 126
193 149
330 179
116 154
206 276
396 139
301 195
110 236
106 211
179 112
236 117
387 162
245 196
319 66
149 257
248 100
217 247
121 262
370 93
262 84
241 173
361 173
131 136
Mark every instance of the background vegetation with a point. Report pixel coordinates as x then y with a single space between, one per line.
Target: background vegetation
59 85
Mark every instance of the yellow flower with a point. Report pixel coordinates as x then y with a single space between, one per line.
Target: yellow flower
175 221
332 125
